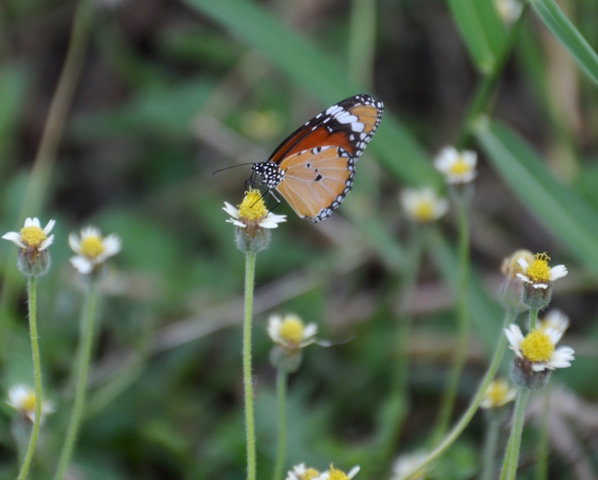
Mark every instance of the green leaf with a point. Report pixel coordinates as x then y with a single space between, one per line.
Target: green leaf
564 213
566 33
481 29
321 75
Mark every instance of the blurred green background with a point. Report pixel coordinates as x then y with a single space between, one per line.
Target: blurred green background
158 94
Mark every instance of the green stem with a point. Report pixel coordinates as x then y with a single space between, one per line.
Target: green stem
37 374
509 467
85 346
450 393
247 380
475 403
483 94
490 445
542 463
281 388
532 318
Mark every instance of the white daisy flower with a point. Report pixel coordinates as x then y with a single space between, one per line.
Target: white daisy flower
290 332
22 398
498 393
301 472
423 205
92 249
31 237
556 320
538 348
538 273
252 212
457 167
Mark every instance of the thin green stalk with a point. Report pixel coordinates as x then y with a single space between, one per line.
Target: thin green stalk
490 445
542 462
483 94
87 330
532 318
463 328
46 152
475 403
37 374
509 468
281 389
247 380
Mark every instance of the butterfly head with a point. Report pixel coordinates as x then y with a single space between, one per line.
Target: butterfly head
271 175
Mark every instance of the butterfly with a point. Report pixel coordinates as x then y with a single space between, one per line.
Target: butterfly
313 168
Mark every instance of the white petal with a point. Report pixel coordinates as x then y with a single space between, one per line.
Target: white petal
81 264
543 286
15 238
562 357
515 337
112 245
310 330
558 271
91 231
32 222
236 223
523 263
49 227
354 471
46 243
232 211
540 366
274 327
75 243
553 334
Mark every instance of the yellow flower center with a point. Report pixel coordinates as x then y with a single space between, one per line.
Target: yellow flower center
309 474
28 404
537 347
539 271
291 330
497 392
91 246
252 207
424 211
334 474
459 167
32 236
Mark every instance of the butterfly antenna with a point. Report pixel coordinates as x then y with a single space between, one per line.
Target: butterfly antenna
228 168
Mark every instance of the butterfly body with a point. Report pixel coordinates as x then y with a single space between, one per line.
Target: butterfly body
313 168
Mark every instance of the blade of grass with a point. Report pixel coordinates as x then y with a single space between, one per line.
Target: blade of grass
563 213
322 75
481 30
566 33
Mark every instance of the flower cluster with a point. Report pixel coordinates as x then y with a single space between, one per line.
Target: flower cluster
290 335
498 393
457 167
423 205
92 249
33 242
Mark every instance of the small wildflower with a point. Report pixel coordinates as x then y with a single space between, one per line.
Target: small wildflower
457 167
556 320
290 336
538 273
508 10
253 220
498 393
537 355
33 242
423 205
334 474
92 249
406 463
301 472
22 399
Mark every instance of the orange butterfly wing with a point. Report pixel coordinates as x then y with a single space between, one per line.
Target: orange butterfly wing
313 167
